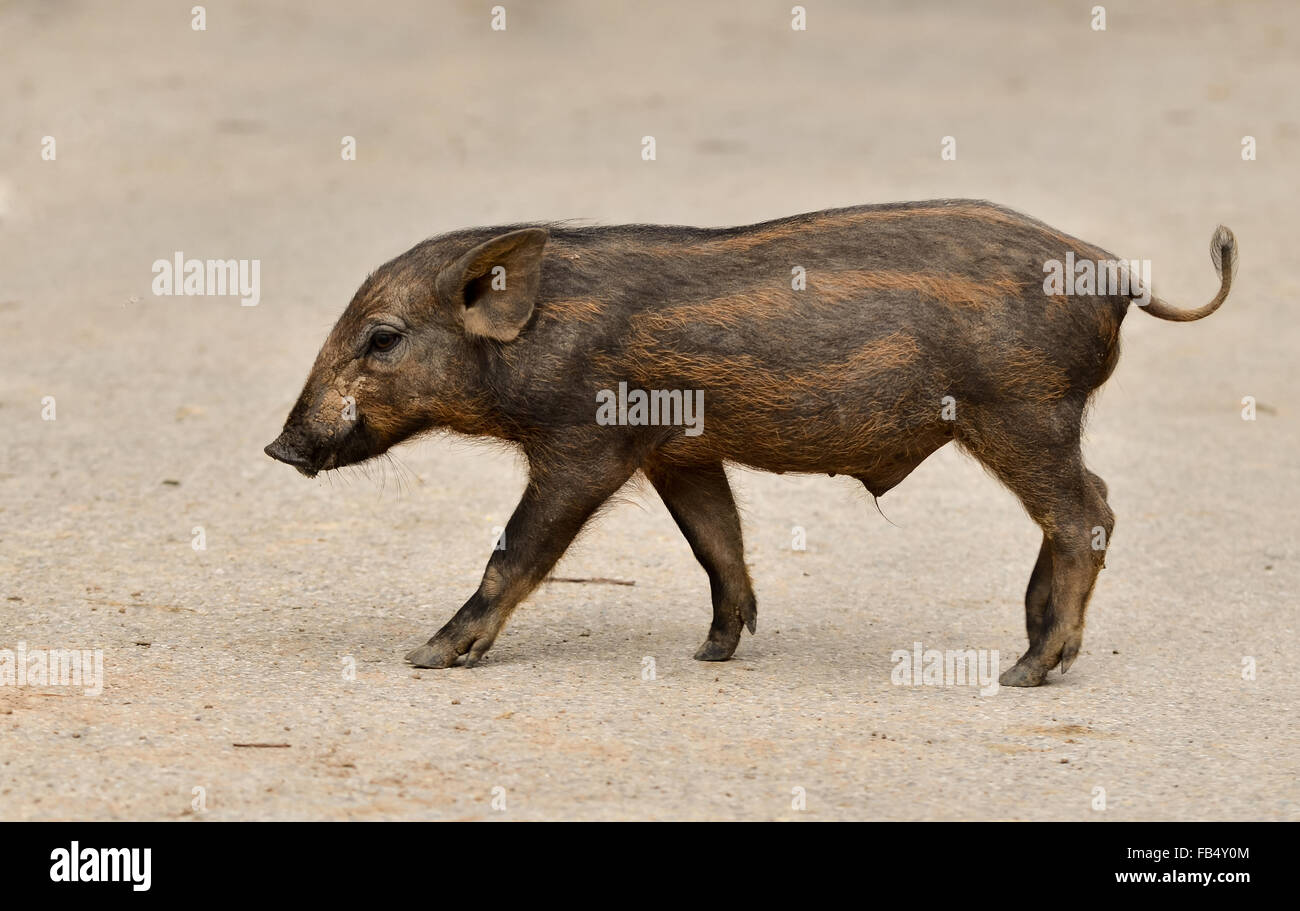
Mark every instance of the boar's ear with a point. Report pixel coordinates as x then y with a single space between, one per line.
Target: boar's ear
494 286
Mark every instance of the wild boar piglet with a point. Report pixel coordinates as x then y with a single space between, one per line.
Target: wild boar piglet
849 341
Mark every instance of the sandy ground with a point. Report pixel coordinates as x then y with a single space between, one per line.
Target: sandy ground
226 143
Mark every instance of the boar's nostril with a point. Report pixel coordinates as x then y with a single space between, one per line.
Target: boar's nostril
280 450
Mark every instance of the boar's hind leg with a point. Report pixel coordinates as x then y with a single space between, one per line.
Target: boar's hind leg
1063 498
1038 595
563 492
700 501
1037 456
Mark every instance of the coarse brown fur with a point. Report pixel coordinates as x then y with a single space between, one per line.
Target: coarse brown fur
916 324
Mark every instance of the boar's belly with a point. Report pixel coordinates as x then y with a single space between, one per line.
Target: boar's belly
876 438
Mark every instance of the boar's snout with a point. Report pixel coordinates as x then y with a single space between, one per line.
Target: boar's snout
312 446
289 449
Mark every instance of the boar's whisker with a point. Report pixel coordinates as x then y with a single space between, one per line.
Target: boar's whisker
876 502
401 472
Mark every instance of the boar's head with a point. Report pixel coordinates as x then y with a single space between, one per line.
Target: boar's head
405 357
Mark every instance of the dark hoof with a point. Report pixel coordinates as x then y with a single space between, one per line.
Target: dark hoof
433 654
714 651
450 643
1023 674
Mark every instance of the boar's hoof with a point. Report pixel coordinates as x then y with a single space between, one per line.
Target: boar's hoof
1023 674
450 643
715 651
436 654
432 654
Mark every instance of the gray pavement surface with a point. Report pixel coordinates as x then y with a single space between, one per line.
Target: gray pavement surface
225 143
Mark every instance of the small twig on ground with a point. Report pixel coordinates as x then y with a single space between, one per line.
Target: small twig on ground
268 746
597 580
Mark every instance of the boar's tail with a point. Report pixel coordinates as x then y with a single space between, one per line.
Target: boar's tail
1223 251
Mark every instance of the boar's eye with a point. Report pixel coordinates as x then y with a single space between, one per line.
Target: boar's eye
384 340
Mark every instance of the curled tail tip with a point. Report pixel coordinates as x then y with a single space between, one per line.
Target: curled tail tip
1223 252
1223 248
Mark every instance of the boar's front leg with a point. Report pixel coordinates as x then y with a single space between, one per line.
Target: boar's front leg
699 500
565 488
